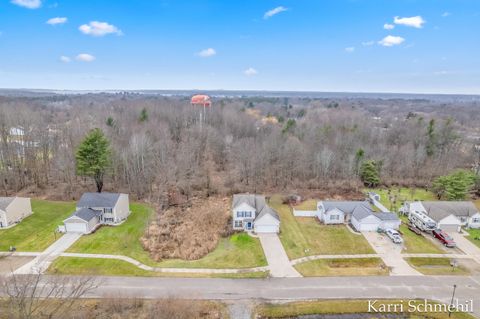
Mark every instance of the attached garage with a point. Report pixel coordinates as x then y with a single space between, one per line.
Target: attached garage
367 223
450 224
267 221
82 221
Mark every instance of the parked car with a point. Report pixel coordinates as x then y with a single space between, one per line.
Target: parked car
414 229
444 238
394 236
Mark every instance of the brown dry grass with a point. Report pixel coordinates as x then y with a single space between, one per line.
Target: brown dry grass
189 231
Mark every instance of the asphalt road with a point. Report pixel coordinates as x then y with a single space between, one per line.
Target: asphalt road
404 287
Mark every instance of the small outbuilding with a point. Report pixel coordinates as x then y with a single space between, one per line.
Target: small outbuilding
13 210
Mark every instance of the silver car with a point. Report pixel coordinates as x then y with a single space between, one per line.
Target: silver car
394 236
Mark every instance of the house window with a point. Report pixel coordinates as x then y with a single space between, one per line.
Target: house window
476 220
248 214
334 217
244 214
240 214
238 224
463 219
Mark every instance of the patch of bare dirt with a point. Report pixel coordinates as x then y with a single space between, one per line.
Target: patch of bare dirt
188 231
9 263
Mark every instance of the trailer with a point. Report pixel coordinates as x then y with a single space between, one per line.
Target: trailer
422 221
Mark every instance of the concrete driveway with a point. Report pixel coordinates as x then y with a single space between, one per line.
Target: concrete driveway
43 261
391 254
466 246
277 258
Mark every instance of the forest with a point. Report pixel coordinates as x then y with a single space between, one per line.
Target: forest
164 150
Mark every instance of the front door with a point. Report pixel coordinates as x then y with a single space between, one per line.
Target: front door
249 225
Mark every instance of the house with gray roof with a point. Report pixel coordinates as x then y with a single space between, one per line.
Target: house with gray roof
251 213
449 215
95 209
13 210
359 213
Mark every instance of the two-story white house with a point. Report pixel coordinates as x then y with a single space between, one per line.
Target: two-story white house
251 213
95 209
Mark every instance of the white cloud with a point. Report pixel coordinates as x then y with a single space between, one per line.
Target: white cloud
99 29
65 59
250 72
206 53
29 4
85 57
57 20
416 22
368 43
390 41
388 26
350 49
274 11
446 14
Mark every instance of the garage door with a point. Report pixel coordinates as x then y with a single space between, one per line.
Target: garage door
266 229
368 227
448 227
76 227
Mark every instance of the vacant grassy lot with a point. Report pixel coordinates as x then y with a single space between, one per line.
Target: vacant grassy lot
474 236
309 204
392 198
302 236
37 231
343 267
341 307
112 267
418 244
237 251
436 266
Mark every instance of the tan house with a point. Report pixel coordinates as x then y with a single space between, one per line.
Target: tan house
13 210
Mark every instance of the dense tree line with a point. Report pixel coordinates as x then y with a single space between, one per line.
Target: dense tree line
158 147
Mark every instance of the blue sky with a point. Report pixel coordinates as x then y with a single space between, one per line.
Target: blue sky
418 46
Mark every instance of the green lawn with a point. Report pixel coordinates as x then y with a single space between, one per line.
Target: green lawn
237 251
474 236
343 267
309 204
393 197
112 267
37 231
418 244
331 307
436 266
303 236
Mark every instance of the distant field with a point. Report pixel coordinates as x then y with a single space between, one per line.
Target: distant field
343 267
37 231
303 236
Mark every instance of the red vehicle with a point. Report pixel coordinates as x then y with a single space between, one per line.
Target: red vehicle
444 238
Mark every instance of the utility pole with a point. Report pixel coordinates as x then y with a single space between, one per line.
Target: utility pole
451 302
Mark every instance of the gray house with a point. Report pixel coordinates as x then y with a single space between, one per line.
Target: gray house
95 209
13 210
251 213
449 215
359 213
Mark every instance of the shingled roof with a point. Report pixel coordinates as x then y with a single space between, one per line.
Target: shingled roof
438 210
86 214
5 201
89 200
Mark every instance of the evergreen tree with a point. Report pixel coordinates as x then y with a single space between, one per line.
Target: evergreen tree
93 157
143 115
454 186
369 173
